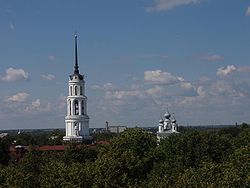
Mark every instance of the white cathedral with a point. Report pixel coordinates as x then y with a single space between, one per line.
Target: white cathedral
167 126
77 120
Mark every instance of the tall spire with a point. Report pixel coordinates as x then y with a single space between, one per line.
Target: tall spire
76 71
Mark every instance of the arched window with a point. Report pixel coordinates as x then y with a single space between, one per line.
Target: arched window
76 127
82 108
75 90
80 90
69 107
70 90
76 107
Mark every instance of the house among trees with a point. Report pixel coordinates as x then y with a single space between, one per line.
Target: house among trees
115 128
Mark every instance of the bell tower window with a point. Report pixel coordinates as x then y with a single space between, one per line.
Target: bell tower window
82 108
70 108
76 107
75 90
80 90
70 90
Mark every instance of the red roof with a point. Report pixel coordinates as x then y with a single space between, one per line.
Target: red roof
55 147
51 148
102 142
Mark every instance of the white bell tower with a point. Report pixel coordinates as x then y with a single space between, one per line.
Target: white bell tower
77 120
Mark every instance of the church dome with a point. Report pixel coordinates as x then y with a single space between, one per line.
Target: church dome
173 120
167 115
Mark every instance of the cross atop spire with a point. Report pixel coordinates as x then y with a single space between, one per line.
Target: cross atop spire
76 71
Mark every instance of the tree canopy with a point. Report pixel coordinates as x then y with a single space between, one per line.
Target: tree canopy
192 158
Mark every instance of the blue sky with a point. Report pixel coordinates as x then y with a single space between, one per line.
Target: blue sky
139 57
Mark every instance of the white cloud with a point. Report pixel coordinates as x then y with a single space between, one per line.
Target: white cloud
202 101
36 108
15 75
105 87
186 85
201 92
244 69
221 88
19 97
224 71
164 86
187 89
108 86
51 57
155 91
48 77
12 26
160 77
123 95
213 57
248 11
61 103
96 87
165 5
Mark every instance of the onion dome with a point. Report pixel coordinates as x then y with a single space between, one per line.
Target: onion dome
167 115
174 120
161 121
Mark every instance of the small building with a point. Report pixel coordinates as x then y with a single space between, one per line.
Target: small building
115 129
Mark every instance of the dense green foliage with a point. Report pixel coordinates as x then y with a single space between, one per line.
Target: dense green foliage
133 159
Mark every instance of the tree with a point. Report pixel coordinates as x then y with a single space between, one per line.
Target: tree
4 156
104 136
237 169
243 138
57 174
56 137
126 161
209 175
192 148
79 153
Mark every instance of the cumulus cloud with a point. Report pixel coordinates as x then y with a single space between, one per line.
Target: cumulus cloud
201 92
162 85
155 91
187 89
224 71
36 107
205 100
48 77
165 5
221 88
248 11
15 75
160 77
19 97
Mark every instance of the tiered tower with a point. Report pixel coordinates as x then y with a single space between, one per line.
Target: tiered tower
77 120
